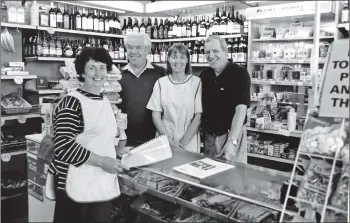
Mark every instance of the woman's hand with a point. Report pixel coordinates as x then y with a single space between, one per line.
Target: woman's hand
175 144
111 165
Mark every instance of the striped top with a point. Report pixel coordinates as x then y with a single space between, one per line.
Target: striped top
68 122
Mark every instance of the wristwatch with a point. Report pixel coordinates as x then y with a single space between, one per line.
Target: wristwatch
233 141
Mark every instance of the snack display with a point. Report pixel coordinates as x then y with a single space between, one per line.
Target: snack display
13 103
322 136
199 218
315 182
12 183
341 194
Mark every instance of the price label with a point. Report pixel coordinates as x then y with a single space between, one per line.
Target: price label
22 119
18 80
2 122
300 61
273 61
300 83
50 31
5 157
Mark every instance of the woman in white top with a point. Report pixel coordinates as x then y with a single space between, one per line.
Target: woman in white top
176 101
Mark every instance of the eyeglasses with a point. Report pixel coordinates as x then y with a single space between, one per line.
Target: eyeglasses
138 48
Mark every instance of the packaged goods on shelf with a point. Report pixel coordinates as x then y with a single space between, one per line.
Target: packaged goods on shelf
14 104
68 72
12 182
197 218
341 194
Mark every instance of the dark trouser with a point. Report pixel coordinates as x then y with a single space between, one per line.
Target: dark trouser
213 145
67 210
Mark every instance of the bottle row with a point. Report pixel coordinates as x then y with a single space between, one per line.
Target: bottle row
79 18
44 44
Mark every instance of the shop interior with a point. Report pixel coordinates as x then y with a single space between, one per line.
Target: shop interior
285 46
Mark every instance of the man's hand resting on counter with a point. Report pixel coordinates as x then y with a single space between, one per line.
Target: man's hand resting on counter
228 152
108 164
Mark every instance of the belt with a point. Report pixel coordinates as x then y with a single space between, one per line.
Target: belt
216 134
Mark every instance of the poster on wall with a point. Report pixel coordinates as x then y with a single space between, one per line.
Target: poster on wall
334 98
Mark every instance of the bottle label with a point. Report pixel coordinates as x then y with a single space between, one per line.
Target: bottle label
240 57
201 58
84 23
39 50
111 54
12 14
128 31
90 23
106 26
52 20
68 53
223 28
202 31
150 57
194 58
59 51
229 55
121 54
178 32
216 28
230 28
52 51
162 57
183 31
101 25
234 57
66 22
135 30
245 27
235 28
78 22
194 31
78 51
45 51
245 57
156 58
20 15
142 30
345 16
59 18
116 54
117 25
105 46
188 33
96 25
111 24
88 45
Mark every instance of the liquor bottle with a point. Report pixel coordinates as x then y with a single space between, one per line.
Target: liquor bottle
245 50
74 44
240 23
179 28
46 52
121 50
240 57
161 30
93 42
59 17
183 27
189 46
188 26
105 44
223 23
112 24
166 29
163 54
230 27
86 42
33 46
71 18
208 26
156 55
67 51
195 25
101 23
106 22
173 28
235 23
135 27
90 20
124 28
59 52
84 22
216 23
245 26
195 52
229 49
43 16
149 28
52 13
129 27
98 43
77 19
155 29
116 50
34 14
201 52
26 47
202 28
235 51
345 13
96 21
66 18
170 28
52 49
150 56
79 47
111 49
118 29
39 46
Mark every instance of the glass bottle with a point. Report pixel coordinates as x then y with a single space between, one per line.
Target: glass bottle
59 17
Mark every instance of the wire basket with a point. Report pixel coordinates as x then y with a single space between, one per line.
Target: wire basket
10 109
21 110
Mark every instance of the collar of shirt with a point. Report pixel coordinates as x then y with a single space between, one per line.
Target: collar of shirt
129 68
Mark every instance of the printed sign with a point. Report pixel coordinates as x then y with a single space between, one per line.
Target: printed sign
288 9
335 91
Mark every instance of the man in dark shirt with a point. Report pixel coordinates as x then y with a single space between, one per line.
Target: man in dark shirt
226 97
138 78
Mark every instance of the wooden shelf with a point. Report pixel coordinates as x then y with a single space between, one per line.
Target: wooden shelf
275 132
290 39
11 77
281 82
286 61
277 159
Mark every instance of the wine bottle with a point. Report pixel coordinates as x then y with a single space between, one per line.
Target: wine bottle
106 22
59 17
149 28
136 28
59 52
96 21
77 20
101 23
52 16
66 23
90 21
84 22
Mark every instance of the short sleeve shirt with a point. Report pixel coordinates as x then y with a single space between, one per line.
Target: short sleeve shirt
221 95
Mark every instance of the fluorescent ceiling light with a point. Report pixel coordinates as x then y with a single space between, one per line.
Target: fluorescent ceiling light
171 5
252 2
132 6
89 6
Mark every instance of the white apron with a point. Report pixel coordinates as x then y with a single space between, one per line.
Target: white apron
89 183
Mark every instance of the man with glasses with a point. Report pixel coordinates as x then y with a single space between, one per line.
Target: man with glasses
225 99
138 78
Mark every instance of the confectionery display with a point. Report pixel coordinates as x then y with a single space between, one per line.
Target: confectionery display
341 194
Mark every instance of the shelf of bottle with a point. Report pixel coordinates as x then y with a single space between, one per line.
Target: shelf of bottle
195 38
290 39
281 82
17 25
284 61
12 77
53 30
296 134
271 158
30 59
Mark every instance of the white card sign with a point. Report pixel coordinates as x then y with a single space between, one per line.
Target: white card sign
334 98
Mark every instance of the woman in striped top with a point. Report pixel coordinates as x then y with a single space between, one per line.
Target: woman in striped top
84 132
